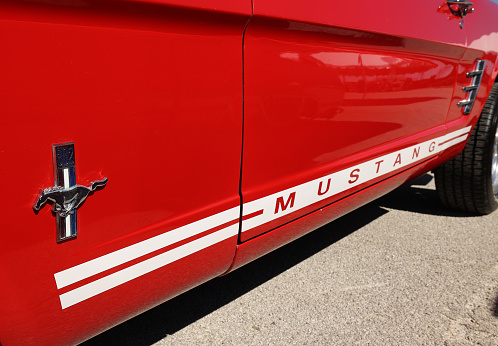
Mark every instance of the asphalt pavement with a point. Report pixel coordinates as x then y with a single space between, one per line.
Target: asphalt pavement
402 270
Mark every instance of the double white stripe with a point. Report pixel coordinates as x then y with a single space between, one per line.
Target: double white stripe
113 259
306 194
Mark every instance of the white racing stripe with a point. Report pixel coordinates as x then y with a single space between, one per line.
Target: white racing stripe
110 281
454 141
289 200
270 207
113 259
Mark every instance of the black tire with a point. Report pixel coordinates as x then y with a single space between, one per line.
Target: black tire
469 182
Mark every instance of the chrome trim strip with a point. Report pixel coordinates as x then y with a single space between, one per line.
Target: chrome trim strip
473 88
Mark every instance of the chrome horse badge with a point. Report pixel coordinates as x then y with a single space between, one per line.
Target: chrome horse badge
66 201
66 196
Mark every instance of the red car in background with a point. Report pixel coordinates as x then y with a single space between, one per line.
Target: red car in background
176 141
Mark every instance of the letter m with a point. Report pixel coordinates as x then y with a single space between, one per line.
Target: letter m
280 202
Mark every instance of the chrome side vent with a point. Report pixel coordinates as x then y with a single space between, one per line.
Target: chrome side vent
473 88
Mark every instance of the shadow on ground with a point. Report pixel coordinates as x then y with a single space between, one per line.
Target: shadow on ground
187 308
495 307
416 197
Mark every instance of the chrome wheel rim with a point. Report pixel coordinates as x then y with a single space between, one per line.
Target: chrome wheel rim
494 165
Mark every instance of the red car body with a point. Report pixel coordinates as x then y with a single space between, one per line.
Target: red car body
226 129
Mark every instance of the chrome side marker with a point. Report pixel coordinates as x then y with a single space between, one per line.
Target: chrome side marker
473 88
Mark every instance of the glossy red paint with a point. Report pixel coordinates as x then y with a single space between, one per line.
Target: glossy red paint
320 98
152 93
259 246
138 88
393 18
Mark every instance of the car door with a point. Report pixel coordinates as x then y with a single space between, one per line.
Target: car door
149 96
328 87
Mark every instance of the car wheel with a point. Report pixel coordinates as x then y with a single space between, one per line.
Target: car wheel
469 182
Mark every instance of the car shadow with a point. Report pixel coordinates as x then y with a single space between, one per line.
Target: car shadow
155 324
495 307
417 197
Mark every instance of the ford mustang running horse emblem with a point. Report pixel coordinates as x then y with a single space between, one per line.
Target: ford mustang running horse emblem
66 201
66 196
